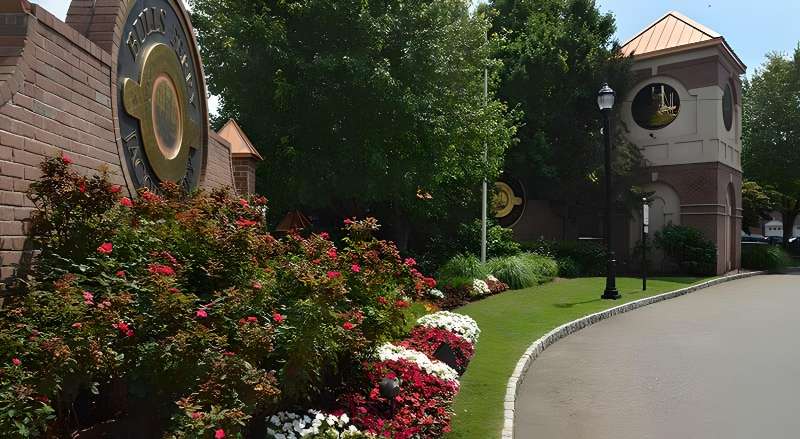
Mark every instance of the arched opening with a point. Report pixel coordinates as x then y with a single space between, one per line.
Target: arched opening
665 209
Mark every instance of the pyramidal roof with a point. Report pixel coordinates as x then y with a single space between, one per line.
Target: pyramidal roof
240 143
672 31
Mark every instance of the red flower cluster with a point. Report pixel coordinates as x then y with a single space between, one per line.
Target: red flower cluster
161 270
124 329
244 223
421 408
429 340
106 248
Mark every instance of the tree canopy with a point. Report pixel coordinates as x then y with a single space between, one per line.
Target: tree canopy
358 105
556 55
771 133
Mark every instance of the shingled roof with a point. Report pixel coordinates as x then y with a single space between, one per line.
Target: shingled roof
673 32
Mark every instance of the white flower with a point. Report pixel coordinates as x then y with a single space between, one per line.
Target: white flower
294 426
491 278
393 352
458 324
436 294
479 287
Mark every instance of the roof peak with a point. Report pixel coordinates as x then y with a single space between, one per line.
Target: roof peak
240 143
674 30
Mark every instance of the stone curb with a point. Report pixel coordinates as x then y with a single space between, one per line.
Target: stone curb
535 349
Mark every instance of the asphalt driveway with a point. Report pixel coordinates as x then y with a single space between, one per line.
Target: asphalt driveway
719 363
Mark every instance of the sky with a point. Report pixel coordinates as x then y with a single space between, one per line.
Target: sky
753 28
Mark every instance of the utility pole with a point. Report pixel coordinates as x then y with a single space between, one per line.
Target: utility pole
485 197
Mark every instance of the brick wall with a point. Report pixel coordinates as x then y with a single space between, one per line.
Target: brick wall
57 95
218 169
244 174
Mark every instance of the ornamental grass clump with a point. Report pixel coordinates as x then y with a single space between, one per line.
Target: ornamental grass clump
178 315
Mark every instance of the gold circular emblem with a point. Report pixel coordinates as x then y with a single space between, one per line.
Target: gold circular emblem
158 100
166 114
504 200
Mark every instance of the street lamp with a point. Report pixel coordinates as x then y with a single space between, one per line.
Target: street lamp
605 100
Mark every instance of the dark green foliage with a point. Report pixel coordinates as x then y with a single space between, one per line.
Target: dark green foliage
523 270
556 55
588 257
765 257
771 141
688 248
567 267
360 106
467 240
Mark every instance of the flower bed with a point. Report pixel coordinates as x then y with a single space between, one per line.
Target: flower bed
175 315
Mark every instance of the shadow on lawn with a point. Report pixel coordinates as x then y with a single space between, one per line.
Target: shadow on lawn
570 305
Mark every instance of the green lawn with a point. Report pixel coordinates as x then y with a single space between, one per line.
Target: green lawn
510 322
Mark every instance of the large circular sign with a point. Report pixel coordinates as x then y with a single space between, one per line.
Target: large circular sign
508 203
161 110
656 106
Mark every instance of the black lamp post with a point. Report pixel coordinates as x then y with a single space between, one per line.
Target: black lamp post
605 100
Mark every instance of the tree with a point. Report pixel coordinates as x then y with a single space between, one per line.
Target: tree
359 106
757 202
556 55
771 133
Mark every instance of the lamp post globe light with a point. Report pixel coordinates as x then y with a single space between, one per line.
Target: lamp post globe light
605 100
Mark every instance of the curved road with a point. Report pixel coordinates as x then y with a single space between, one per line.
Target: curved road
718 363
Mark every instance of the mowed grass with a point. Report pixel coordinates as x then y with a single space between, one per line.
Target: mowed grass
510 322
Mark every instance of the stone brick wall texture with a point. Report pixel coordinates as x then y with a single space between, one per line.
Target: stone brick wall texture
56 93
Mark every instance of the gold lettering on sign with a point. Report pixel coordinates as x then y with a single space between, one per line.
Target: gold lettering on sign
186 64
148 22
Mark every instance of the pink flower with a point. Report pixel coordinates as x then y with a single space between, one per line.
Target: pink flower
197 415
105 248
278 318
348 326
348 221
174 290
129 333
16 361
410 262
382 300
252 319
355 268
332 253
125 201
77 325
219 434
201 313
324 235
114 189
401 304
122 326
65 159
243 202
257 285
121 273
228 353
333 274
88 298
82 186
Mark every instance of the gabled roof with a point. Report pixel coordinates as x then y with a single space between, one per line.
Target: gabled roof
672 32
241 146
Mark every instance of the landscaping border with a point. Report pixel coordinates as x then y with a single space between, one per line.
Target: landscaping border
535 349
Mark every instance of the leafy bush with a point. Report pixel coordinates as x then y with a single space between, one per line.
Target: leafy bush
588 257
524 270
463 266
467 240
180 314
688 248
765 257
567 267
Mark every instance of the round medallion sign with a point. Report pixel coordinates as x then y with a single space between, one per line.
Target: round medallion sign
162 114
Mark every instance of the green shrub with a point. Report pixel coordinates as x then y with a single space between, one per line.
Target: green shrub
567 267
689 249
467 240
589 257
765 257
523 270
183 310
463 266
